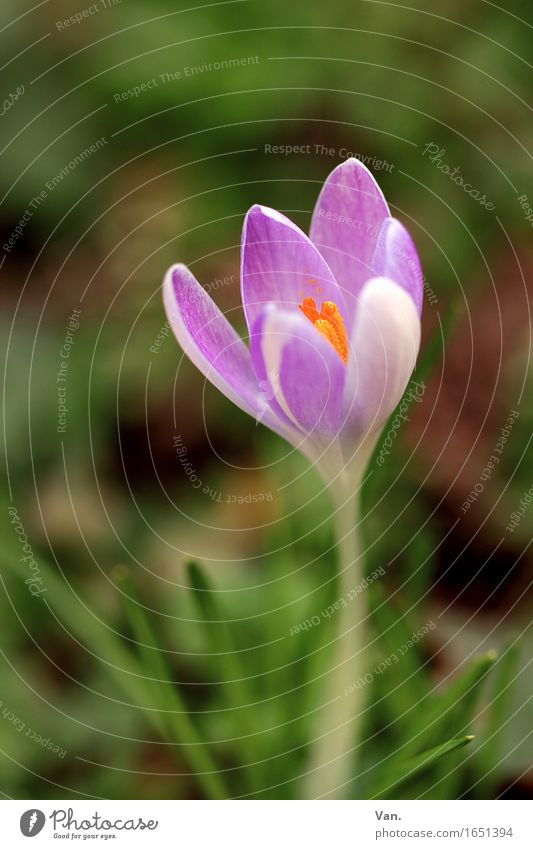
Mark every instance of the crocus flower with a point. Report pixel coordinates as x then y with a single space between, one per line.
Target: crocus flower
334 330
333 322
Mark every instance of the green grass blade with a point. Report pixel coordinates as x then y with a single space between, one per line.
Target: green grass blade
78 621
231 675
451 778
449 714
176 720
414 768
220 638
500 697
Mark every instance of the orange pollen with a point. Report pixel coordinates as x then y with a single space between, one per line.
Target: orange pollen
329 323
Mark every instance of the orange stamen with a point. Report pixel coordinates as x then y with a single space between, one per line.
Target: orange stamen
329 323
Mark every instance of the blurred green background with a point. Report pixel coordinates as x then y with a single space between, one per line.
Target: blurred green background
180 151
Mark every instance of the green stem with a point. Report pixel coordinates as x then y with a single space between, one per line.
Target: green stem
334 749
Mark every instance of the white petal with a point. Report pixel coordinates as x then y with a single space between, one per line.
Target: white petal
383 350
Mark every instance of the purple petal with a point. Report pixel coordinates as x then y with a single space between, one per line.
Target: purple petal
304 372
345 226
279 264
211 343
383 350
395 257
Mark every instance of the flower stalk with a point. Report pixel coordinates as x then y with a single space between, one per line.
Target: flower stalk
335 749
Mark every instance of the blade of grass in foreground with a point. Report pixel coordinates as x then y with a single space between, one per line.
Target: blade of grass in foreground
413 768
177 723
79 622
493 737
447 715
232 675
450 713
449 780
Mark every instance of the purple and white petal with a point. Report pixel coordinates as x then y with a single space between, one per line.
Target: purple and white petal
395 257
383 349
211 343
345 225
265 384
279 264
303 371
